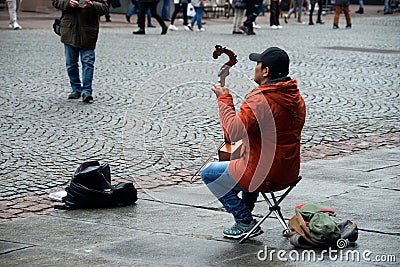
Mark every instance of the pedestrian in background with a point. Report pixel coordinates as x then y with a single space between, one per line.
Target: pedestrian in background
178 4
164 10
79 32
319 13
198 17
239 9
144 5
108 17
13 6
342 5
135 9
251 15
275 11
387 10
297 4
361 8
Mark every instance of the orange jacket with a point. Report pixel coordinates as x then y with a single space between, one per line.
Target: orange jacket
269 124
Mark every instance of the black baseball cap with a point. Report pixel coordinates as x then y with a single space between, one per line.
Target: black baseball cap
276 59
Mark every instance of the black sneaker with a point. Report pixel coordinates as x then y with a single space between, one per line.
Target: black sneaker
74 95
348 26
335 27
237 32
139 32
320 22
128 18
87 98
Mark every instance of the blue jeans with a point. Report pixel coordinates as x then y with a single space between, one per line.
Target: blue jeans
299 5
87 59
386 6
198 17
164 11
218 179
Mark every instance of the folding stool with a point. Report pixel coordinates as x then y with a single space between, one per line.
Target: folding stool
273 203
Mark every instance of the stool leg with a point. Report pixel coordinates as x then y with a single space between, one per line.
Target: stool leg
277 210
254 228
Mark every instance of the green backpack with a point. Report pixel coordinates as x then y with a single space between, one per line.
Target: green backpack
316 225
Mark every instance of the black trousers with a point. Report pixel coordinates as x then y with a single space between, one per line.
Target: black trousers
176 11
251 14
319 10
275 11
143 6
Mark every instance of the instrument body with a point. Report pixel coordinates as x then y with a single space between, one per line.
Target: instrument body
230 151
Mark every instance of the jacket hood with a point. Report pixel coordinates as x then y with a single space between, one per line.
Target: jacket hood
283 91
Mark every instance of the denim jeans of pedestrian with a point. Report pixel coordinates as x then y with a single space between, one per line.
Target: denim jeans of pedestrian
386 5
219 181
87 56
297 4
198 17
165 9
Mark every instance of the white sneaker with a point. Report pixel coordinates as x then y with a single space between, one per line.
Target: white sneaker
274 27
201 30
14 26
186 27
255 26
280 26
173 28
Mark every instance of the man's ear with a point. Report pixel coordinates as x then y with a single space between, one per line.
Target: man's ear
266 72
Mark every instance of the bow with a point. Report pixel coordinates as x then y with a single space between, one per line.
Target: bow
224 70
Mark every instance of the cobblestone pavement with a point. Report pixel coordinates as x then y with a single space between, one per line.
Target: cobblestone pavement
154 118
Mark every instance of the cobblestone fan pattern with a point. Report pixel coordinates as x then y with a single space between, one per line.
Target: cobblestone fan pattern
155 119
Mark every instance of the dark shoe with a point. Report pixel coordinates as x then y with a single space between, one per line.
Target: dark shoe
128 19
87 98
236 32
139 32
251 33
150 26
164 29
335 27
320 22
74 95
348 26
244 29
285 18
108 20
387 13
360 11
311 23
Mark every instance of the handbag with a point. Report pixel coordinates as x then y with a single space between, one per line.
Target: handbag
57 25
